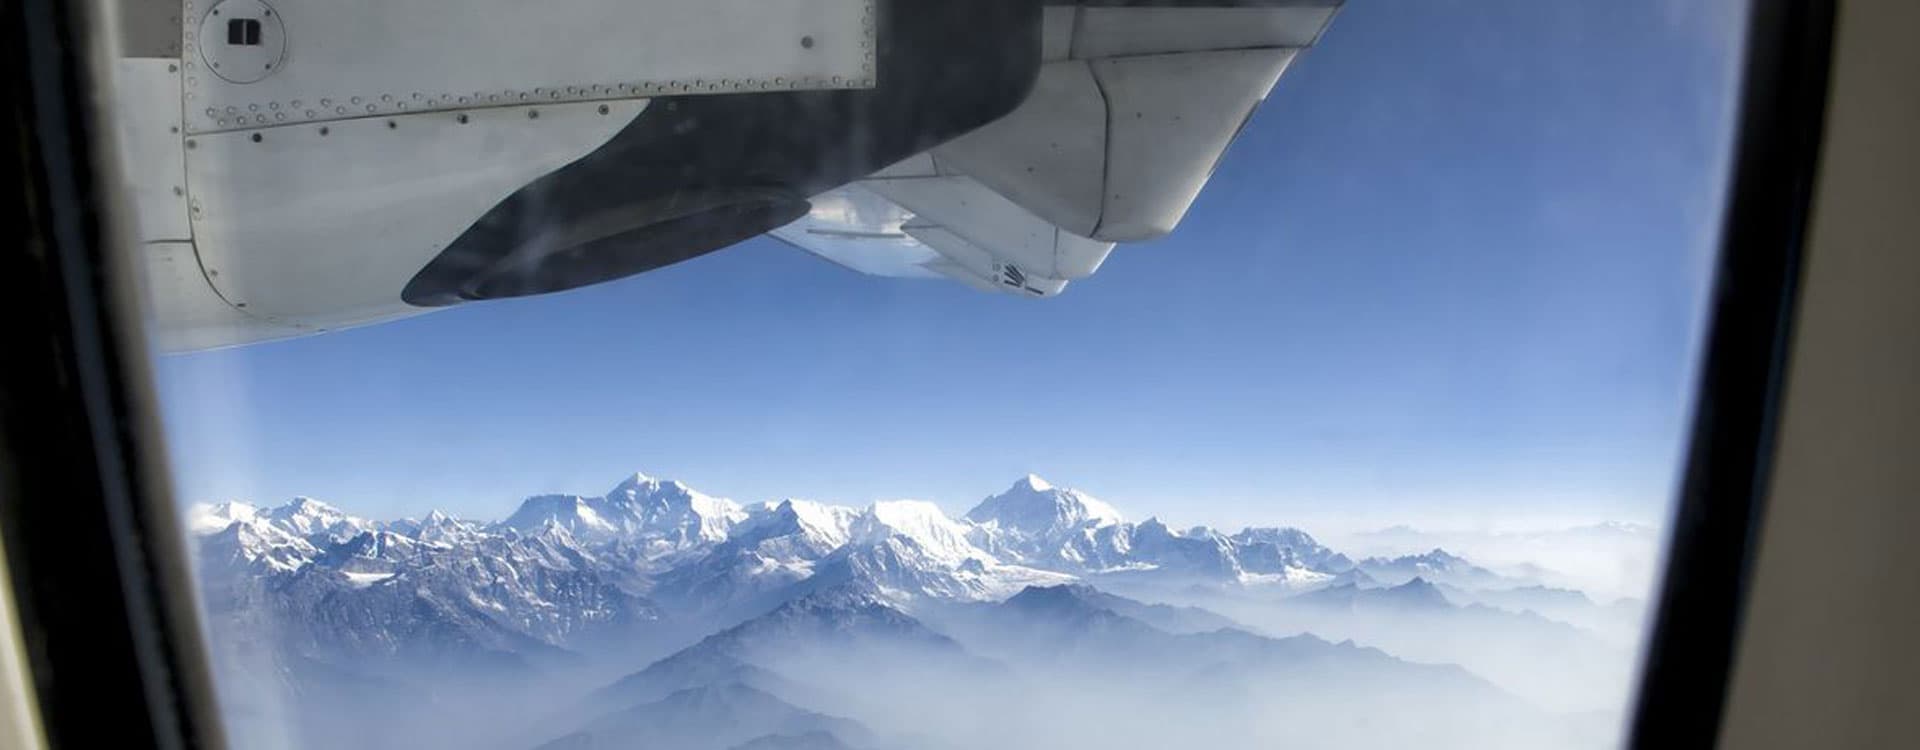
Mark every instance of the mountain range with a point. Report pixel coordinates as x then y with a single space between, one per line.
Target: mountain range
666 613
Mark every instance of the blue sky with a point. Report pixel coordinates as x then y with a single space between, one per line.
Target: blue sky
1451 274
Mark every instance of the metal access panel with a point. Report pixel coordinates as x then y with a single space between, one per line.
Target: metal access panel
153 159
286 62
320 226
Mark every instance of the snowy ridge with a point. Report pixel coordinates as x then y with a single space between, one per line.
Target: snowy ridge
665 540
829 524
936 538
776 595
563 570
1033 507
318 522
657 520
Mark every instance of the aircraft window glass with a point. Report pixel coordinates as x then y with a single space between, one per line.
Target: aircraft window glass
896 374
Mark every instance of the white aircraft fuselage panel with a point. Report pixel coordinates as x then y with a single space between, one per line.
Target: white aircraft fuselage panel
321 225
360 58
186 314
152 153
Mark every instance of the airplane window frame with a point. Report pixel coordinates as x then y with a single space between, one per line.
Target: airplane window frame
107 619
1710 550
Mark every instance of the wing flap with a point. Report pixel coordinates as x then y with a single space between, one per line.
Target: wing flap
1168 134
1125 32
1128 117
855 228
1132 112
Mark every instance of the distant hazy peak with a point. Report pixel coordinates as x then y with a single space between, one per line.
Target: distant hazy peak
1281 535
1628 528
1057 597
1435 556
846 610
836 598
1417 592
1073 590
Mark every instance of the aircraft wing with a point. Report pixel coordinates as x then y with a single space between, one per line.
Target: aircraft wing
293 170
1132 110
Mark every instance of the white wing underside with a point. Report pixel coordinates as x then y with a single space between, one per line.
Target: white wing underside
1132 109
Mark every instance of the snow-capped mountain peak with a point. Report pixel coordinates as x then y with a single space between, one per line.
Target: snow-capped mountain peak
1034 522
641 505
440 528
662 518
832 524
644 491
1035 508
637 479
921 522
253 544
1287 552
207 518
318 522
571 512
